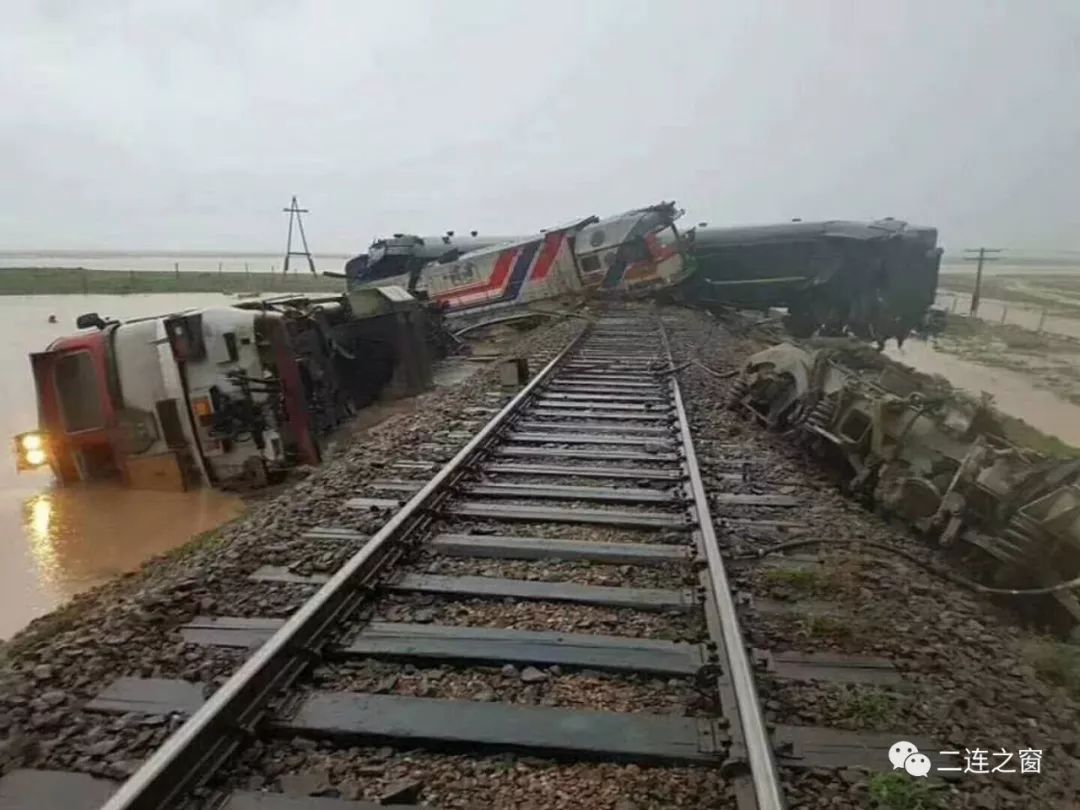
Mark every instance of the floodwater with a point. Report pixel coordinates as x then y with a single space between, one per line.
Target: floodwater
58 541
1013 393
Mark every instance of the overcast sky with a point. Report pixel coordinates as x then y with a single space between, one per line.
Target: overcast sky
188 124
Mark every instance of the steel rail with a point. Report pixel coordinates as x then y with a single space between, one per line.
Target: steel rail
763 773
205 741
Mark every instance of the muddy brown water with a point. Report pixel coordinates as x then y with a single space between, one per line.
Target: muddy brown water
1014 393
57 541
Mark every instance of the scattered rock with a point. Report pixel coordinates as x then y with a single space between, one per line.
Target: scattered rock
106 746
305 743
43 672
123 768
305 783
533 675
387 684
851 775
352 789
404 791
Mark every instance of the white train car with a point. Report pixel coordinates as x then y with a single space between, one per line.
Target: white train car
630 252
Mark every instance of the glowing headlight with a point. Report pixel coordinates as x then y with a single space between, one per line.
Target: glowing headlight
36 457
31 442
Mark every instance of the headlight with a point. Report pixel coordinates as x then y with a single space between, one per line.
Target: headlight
31 450
32 442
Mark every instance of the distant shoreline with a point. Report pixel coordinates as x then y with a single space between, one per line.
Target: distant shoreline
83 281
165 254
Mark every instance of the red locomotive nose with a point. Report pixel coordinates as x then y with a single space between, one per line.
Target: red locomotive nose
76 410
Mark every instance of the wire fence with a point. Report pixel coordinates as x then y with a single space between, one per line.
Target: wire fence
992 310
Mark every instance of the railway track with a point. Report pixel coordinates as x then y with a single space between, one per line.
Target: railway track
556 590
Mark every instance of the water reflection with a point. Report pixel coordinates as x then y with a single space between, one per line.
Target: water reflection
37 526
78 537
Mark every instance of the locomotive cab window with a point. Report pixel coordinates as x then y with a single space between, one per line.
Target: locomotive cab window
78 392
590 264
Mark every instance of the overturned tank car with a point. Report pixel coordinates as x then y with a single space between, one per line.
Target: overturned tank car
875 280
948 464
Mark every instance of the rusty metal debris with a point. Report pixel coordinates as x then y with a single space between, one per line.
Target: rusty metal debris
946 463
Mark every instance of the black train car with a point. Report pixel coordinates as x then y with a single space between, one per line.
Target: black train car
874 279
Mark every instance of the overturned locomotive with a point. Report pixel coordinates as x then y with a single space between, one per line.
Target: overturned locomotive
636 251
220 396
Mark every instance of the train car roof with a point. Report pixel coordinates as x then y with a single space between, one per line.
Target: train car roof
438 245
787 231
525 240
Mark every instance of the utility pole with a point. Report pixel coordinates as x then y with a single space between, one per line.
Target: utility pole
294 211
982 255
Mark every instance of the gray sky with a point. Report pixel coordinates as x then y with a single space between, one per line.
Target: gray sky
188 124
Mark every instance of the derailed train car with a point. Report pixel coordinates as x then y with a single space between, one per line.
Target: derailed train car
950 465
631 252
875 280
220 396
872 279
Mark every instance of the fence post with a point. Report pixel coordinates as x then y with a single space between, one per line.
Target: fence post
1042 320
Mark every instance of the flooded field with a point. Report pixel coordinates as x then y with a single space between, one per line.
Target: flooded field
1037 298
1014 392
56 541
